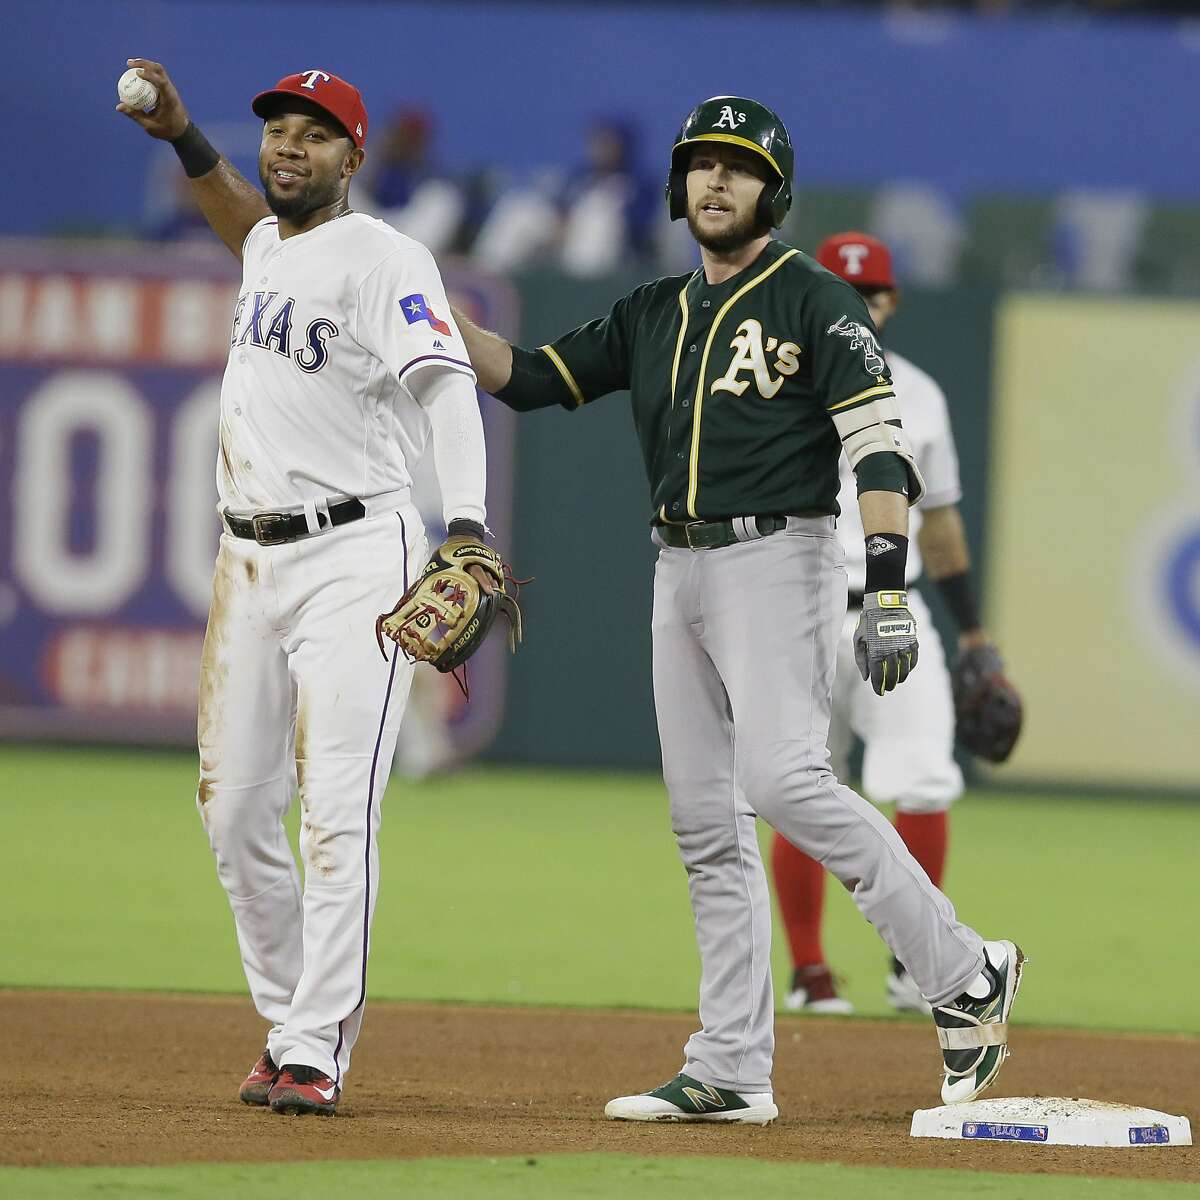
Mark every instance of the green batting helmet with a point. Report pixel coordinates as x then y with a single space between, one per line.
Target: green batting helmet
738 122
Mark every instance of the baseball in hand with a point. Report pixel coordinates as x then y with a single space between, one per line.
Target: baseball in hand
136 91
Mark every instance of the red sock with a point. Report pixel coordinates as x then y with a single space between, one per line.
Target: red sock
926 836
800 887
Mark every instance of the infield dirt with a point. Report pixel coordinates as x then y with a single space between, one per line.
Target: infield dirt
135 1078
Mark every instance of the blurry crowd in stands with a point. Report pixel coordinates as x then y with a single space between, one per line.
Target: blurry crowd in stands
1183 8
606 213
592 217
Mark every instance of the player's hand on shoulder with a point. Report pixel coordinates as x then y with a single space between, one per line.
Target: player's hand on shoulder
885 640
169 118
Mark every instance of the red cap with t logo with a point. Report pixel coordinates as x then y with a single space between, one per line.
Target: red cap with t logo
341 100
858 258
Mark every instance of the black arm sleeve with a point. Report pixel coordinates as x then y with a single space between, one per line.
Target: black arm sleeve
534 383
882 472
585 364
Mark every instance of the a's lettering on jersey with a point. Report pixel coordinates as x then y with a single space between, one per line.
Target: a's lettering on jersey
269 326
750 354
861 338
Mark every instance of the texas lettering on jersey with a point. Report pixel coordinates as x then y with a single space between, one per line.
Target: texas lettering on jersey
268 325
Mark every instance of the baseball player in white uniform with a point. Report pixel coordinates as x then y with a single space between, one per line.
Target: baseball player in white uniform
344 365
908 738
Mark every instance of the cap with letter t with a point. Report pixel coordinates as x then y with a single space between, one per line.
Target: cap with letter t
858 258
341 100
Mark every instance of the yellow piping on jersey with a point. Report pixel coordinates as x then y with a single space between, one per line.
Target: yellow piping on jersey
568 378
693 465
883 389
679 339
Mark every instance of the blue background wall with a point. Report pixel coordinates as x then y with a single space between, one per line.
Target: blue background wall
974 104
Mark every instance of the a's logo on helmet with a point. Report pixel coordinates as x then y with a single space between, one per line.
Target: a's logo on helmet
730 119
852 255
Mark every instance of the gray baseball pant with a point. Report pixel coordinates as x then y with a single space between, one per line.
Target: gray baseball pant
745 644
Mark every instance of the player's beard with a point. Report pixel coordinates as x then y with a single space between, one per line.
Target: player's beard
733 238
313 195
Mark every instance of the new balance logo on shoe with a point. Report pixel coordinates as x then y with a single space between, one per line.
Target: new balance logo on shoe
704 1098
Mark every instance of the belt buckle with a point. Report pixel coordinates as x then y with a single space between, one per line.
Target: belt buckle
687 533
262 532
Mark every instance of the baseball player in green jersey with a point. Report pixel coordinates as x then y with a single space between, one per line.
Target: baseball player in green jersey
747 380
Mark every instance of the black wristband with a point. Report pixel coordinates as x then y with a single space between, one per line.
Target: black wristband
465 527
195 152
960 600
887 556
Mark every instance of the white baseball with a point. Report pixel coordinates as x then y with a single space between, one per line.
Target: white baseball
136 91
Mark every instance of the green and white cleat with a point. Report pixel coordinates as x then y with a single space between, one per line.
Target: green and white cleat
686 1099
973 1030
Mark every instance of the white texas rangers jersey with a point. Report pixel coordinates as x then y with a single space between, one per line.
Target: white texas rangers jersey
328 327
927 424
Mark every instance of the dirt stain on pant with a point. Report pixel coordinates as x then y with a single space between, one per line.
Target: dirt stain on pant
315 842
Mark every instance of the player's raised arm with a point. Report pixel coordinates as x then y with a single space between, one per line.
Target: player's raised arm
231 205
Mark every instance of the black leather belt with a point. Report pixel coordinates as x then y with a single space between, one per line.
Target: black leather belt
276 528
713 535
854 600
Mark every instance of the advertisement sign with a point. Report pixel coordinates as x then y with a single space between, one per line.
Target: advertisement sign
110 372
1094 572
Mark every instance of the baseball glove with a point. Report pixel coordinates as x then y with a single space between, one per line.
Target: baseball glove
987 706
446 614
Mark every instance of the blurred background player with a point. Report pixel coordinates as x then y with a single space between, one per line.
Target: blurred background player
908 737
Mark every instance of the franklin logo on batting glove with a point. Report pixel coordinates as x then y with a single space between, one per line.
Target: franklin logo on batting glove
885 640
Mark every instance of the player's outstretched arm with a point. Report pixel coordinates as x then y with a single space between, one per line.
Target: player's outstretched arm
231 205
490 354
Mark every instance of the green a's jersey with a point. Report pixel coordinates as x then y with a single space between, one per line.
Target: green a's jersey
732 385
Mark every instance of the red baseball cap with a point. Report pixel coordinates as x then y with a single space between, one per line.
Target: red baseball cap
339 99
858 258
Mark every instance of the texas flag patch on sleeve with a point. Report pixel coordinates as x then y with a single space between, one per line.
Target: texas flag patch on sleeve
416 308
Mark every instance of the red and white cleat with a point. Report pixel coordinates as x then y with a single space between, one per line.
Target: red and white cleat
257 1085
301 1090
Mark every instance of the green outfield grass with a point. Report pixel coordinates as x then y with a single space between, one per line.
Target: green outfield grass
564 888
563 1177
